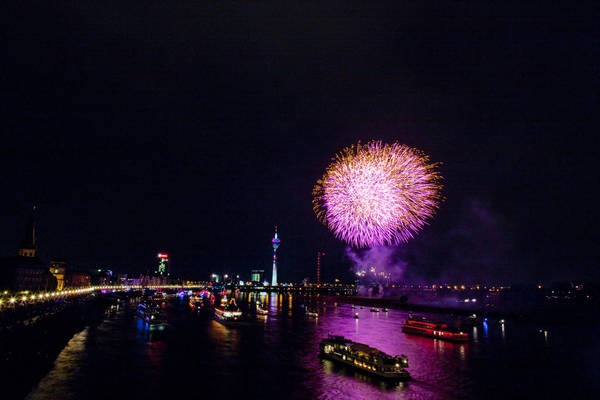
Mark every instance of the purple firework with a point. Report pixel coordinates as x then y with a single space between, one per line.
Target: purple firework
377 194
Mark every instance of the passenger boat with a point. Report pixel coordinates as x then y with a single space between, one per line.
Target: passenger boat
365 358
374 309
312 313
228 311
439 330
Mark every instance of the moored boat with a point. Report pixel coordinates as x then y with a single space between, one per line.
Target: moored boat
150 312
365 358
440 330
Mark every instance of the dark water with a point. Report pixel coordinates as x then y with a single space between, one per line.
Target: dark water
278 358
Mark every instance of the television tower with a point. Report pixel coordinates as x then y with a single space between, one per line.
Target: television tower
275 242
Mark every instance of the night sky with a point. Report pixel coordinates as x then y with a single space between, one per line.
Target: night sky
195 128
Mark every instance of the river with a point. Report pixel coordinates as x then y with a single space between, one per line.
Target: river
277 358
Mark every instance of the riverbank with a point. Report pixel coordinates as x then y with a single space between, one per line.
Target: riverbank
28 347
550 313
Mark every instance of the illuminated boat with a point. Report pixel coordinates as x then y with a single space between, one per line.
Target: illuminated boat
196 303
260 310
439 330
374 309
228 311
150 312
365 358
312 313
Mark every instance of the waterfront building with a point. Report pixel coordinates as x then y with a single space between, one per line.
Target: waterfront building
162 267
257 275
26 271
77 279
58 269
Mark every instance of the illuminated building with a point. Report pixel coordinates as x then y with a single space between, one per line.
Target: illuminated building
257 275
103 276
58 269
276 241
162 269
77 279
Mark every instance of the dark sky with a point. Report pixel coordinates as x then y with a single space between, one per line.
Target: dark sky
194 128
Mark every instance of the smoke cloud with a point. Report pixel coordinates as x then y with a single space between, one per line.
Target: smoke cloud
476 247
379 264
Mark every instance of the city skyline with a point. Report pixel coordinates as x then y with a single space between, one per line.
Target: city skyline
146 134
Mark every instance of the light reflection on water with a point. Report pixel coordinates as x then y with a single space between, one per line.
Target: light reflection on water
67 369
278 357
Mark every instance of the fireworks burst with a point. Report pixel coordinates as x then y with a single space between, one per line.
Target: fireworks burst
377 194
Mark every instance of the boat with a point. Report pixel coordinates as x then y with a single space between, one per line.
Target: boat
439 330
260 310
196 303
227 311
384 309
200 305
356 315
471 320
150 312
312 313
364 358
374 309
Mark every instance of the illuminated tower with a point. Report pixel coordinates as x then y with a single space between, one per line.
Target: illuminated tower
319 255
163 265
275 242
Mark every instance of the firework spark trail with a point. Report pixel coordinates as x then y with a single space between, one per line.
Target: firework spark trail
377 194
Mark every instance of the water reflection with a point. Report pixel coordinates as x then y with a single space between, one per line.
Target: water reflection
273 303
278 357
439 345
57 384
485 328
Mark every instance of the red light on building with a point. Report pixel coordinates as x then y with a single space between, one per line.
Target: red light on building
163 255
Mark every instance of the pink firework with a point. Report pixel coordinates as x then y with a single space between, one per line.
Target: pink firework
377 194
